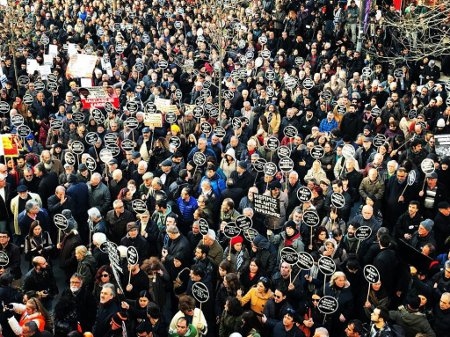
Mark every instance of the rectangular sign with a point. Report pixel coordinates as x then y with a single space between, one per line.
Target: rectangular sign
97 97
81 65
9 146
153 120
442 145
267 205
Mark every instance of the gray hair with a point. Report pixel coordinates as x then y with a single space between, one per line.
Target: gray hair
172 229
110 286
321 332
30 205
94 213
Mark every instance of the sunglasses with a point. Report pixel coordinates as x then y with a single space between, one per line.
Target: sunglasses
105 275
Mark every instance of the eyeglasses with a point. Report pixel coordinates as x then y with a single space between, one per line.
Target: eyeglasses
277 296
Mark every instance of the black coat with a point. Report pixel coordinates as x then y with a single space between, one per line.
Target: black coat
47 186
104 313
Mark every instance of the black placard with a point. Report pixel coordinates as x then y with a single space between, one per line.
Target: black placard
200 292
289 255
338 200
305 260
243 222
204 226
60 221
327 265
363 233
328 305
132 256
311 218
199 158
371 274
304 194
267 205
230 230
139 206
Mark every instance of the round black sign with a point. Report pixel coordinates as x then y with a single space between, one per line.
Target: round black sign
56 124
199 158
304 194
283 151
379 140
198 111
105 155
4 259
363 233
78 117
327 265
236 123
243 222
91 164
98 116
230 230
175 141
286 164
371 274
204 226
132 256
317 152
111 138
170 117
91 138
311 218
219 131
338 200
150 108
270 169
4 107
305 260
328 305
60 221
127 145
23 130
206 128
427 166
200 292
77 147
259 164
289 255
131 123
290 131
139 206
272 143
28 99
69 158
17 120
412 114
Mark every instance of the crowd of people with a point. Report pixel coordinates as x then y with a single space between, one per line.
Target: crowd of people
253 84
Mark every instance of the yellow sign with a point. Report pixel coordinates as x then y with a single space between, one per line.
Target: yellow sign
153 120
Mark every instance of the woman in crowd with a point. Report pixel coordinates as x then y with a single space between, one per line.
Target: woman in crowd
38 242
257 296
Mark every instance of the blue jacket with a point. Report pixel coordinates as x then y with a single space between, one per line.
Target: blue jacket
217 184
187 209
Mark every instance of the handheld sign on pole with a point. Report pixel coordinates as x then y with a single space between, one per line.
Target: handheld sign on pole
362 233
204 227
327 266
427 167
250 234
132 259
338 200
290 256
61 222
243 222
199 159
258 165
200 292
304 194
230 230
311 219
327 305
317 152
410 180
139 206
372 275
